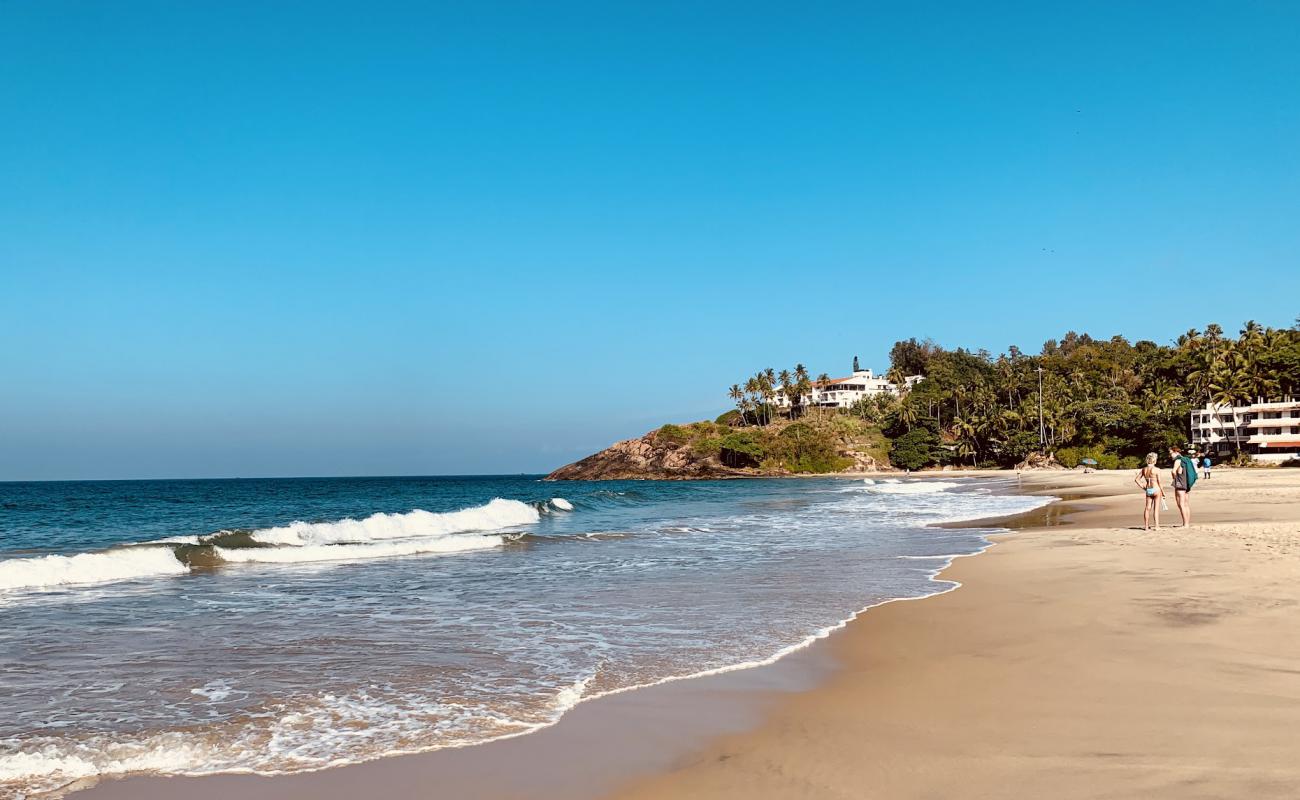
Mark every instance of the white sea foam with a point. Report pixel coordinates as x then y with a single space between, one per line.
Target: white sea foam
376 536
494 515
54 765
213 690
561 504
355 552
321 733
123 564
919 487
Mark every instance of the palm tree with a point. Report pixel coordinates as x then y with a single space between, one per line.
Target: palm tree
787 390
768 392
907 413
755 388
802 386
1228 388
802 389
738 396
964 449
895 376
958 394
823 382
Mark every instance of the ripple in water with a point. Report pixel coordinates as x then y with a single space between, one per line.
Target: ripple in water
413 614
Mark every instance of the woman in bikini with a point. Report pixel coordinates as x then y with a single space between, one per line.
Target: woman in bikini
1148 480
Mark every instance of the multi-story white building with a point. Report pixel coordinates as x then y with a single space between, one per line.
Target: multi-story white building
1220 429
1274 431
844 392
1267 431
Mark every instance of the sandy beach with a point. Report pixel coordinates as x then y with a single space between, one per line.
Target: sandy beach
1083 660
1080 658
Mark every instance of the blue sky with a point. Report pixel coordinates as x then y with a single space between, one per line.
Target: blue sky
343 238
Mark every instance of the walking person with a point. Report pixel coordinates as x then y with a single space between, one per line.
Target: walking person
1184 474
1205 467
1148 480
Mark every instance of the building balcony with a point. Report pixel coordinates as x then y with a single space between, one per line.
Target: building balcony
1287 439
1285 422
1283 405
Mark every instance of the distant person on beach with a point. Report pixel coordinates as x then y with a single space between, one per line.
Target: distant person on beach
1184 474
1148 480
1205 467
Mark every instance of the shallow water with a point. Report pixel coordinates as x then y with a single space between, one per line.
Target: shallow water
283 625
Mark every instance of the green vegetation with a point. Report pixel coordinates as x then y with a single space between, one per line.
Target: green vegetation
673 434
917 448
1108 400
814 444
731 417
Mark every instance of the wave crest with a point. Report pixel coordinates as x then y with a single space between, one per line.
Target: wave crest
495 515
376 536
123 564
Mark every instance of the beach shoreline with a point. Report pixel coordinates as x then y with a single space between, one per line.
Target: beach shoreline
1081 659
729 735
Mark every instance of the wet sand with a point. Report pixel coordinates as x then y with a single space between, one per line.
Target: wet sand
1081 658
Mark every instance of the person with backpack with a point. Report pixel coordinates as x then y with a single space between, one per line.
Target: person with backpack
1184 479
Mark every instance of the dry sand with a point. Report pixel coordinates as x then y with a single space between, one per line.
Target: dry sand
1081 658
1090 660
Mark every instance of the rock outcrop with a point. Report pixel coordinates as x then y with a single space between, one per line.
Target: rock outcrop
1040 461
660 456
863 462
648 458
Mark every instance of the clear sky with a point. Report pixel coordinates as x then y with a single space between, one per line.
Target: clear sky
320 238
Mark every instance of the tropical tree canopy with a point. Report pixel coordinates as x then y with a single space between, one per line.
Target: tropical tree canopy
1108 397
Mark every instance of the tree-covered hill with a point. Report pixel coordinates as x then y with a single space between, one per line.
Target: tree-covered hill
1107 399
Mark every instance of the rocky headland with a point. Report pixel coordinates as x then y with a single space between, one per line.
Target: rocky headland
705 450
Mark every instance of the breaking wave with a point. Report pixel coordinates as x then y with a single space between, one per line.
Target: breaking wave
377 536
494 515
120 564
920 487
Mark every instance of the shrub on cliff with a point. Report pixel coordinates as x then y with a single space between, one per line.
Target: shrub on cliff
802 447
706 446
672 434
917 448
744 448
731 419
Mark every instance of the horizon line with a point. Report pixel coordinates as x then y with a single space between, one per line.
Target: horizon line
279 478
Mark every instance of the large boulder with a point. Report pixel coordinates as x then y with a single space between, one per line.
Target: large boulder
1040 461
863 463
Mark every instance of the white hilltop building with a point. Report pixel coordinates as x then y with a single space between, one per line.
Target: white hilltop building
844 392
1268 431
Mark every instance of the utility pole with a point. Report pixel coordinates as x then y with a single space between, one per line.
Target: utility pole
1042 434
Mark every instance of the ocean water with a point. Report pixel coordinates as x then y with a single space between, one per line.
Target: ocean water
272 626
